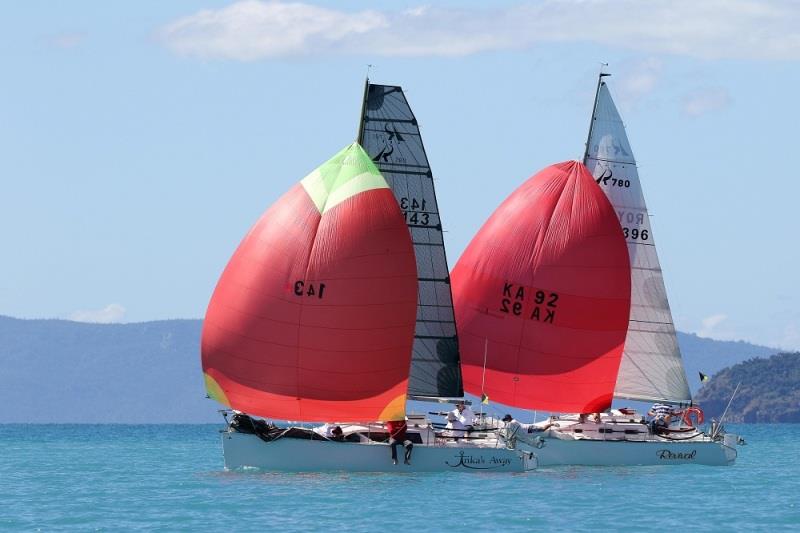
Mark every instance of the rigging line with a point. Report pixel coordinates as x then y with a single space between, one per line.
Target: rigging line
725 412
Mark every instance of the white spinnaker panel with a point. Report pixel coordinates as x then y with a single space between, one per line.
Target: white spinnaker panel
651 367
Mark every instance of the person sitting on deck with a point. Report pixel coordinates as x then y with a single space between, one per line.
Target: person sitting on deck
337 434
397 435
661 416
454 427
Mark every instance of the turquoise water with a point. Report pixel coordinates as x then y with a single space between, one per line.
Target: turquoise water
170 478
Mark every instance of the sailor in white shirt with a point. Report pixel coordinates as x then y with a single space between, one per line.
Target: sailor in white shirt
454 427
464 415
512 430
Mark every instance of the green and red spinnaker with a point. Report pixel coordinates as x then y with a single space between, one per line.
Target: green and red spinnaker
313 318
542 295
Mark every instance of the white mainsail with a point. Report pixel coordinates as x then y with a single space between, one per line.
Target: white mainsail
651 368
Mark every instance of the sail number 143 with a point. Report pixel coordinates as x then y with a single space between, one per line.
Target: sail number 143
413 211
301 288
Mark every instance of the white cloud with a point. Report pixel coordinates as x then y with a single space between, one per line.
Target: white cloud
110 313
637 79
706 100
252 29
710 323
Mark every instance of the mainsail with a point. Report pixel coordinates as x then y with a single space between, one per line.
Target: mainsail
389 133
313 317
542 296
651 369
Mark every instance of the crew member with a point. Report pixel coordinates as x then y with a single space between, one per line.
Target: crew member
464 415
661 416
397 435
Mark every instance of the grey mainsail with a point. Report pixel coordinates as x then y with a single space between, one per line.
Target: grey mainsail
651 367
389 133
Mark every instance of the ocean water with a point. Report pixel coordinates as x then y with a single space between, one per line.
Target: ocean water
109 477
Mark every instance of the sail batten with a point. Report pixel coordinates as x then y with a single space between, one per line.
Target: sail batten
390 134
651 368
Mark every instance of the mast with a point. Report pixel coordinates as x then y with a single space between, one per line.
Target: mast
363 117
594 111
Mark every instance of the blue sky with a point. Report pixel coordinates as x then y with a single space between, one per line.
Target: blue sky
139 141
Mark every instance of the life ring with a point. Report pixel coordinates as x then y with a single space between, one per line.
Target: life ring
698 415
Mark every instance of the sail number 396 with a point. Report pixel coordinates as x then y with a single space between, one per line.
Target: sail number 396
635 234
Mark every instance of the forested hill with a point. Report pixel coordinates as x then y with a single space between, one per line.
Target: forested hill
149 372
62 371
710 356
769 390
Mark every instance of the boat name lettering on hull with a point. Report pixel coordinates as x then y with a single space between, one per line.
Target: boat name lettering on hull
478 462
676 456
543 303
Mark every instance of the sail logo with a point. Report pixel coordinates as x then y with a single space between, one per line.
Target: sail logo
543 303
389 138
606 178
676 456
478 462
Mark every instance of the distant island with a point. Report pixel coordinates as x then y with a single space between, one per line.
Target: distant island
769 391
149 372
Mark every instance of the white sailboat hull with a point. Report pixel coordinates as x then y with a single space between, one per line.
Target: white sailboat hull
589 452
243 450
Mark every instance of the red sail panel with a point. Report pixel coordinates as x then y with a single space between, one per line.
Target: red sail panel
543 291
313 318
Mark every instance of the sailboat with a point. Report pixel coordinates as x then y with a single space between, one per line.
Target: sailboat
544 327
336 308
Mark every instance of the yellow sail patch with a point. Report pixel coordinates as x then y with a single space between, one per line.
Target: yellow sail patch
215 391
396 410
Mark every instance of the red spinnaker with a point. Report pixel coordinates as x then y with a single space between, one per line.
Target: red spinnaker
313 318
543 291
